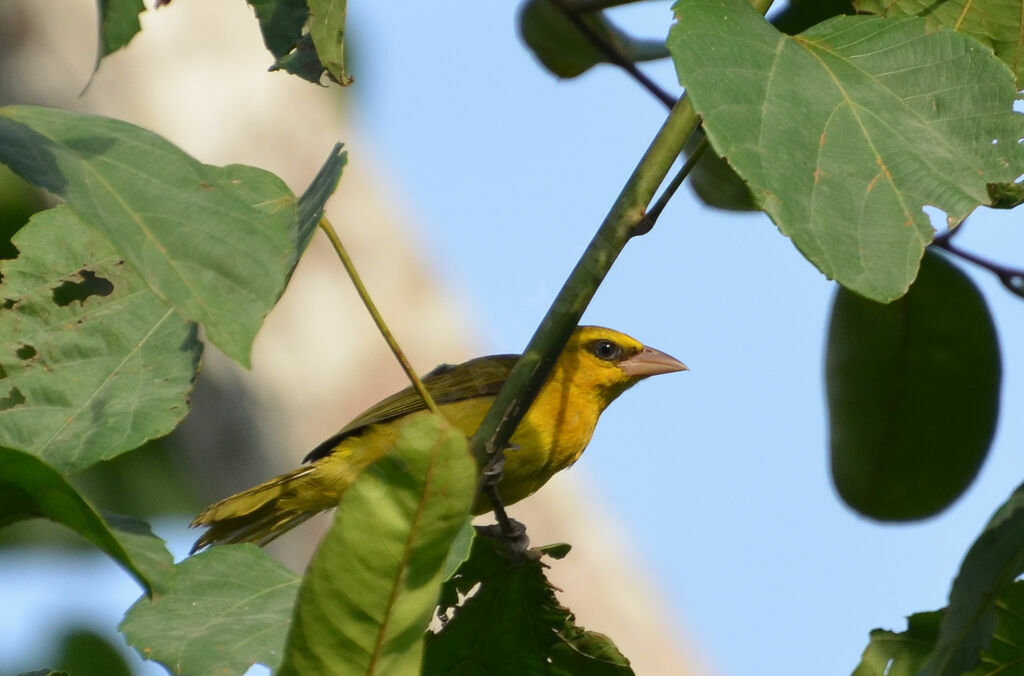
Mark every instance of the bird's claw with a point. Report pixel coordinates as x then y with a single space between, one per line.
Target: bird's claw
513 535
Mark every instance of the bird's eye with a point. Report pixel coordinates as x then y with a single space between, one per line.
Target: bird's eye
606 350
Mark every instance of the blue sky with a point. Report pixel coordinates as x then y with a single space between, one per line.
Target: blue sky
720 474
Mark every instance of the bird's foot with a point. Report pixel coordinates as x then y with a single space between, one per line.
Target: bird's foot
512 534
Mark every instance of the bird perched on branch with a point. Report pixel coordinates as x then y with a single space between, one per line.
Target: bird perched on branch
595 367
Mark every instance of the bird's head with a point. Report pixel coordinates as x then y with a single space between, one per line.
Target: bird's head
606 363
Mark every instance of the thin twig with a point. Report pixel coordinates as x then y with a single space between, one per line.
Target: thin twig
350 268
1011 278
651 217
612 53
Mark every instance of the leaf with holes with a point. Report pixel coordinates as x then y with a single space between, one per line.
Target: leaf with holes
505 619
214 242
224 610
29 488
996 23
92 363
370 591
845 132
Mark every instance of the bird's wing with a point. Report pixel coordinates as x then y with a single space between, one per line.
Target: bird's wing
480 377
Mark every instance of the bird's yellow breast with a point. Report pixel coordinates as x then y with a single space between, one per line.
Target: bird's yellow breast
552 435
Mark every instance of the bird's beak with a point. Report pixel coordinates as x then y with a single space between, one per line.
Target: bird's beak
650 362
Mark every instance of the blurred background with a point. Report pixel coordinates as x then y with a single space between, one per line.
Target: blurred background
707 536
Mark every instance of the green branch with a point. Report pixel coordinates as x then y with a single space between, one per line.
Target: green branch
628 211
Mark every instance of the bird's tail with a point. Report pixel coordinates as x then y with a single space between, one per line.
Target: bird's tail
259 514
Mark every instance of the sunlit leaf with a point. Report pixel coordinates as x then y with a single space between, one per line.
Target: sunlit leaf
371 589
845 132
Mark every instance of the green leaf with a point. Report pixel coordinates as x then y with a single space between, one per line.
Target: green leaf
458 553
44 672
281 23
845 132
92 363
371 589
1005 655
215 242
86 652
900 654
119 22
311 204
327 28
1006 195
226 609
561 48
799 15
511 622
712 179
302 61
30 488
715 182
904 654
994 560
998 24
913 394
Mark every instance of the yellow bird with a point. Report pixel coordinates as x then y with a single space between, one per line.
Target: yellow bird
596 366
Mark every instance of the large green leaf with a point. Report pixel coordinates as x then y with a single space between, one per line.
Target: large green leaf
92 363
506 620
846 131
994 560
327 28
371 589
215 242
996 23
712 179
913 394
226 609
30 488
